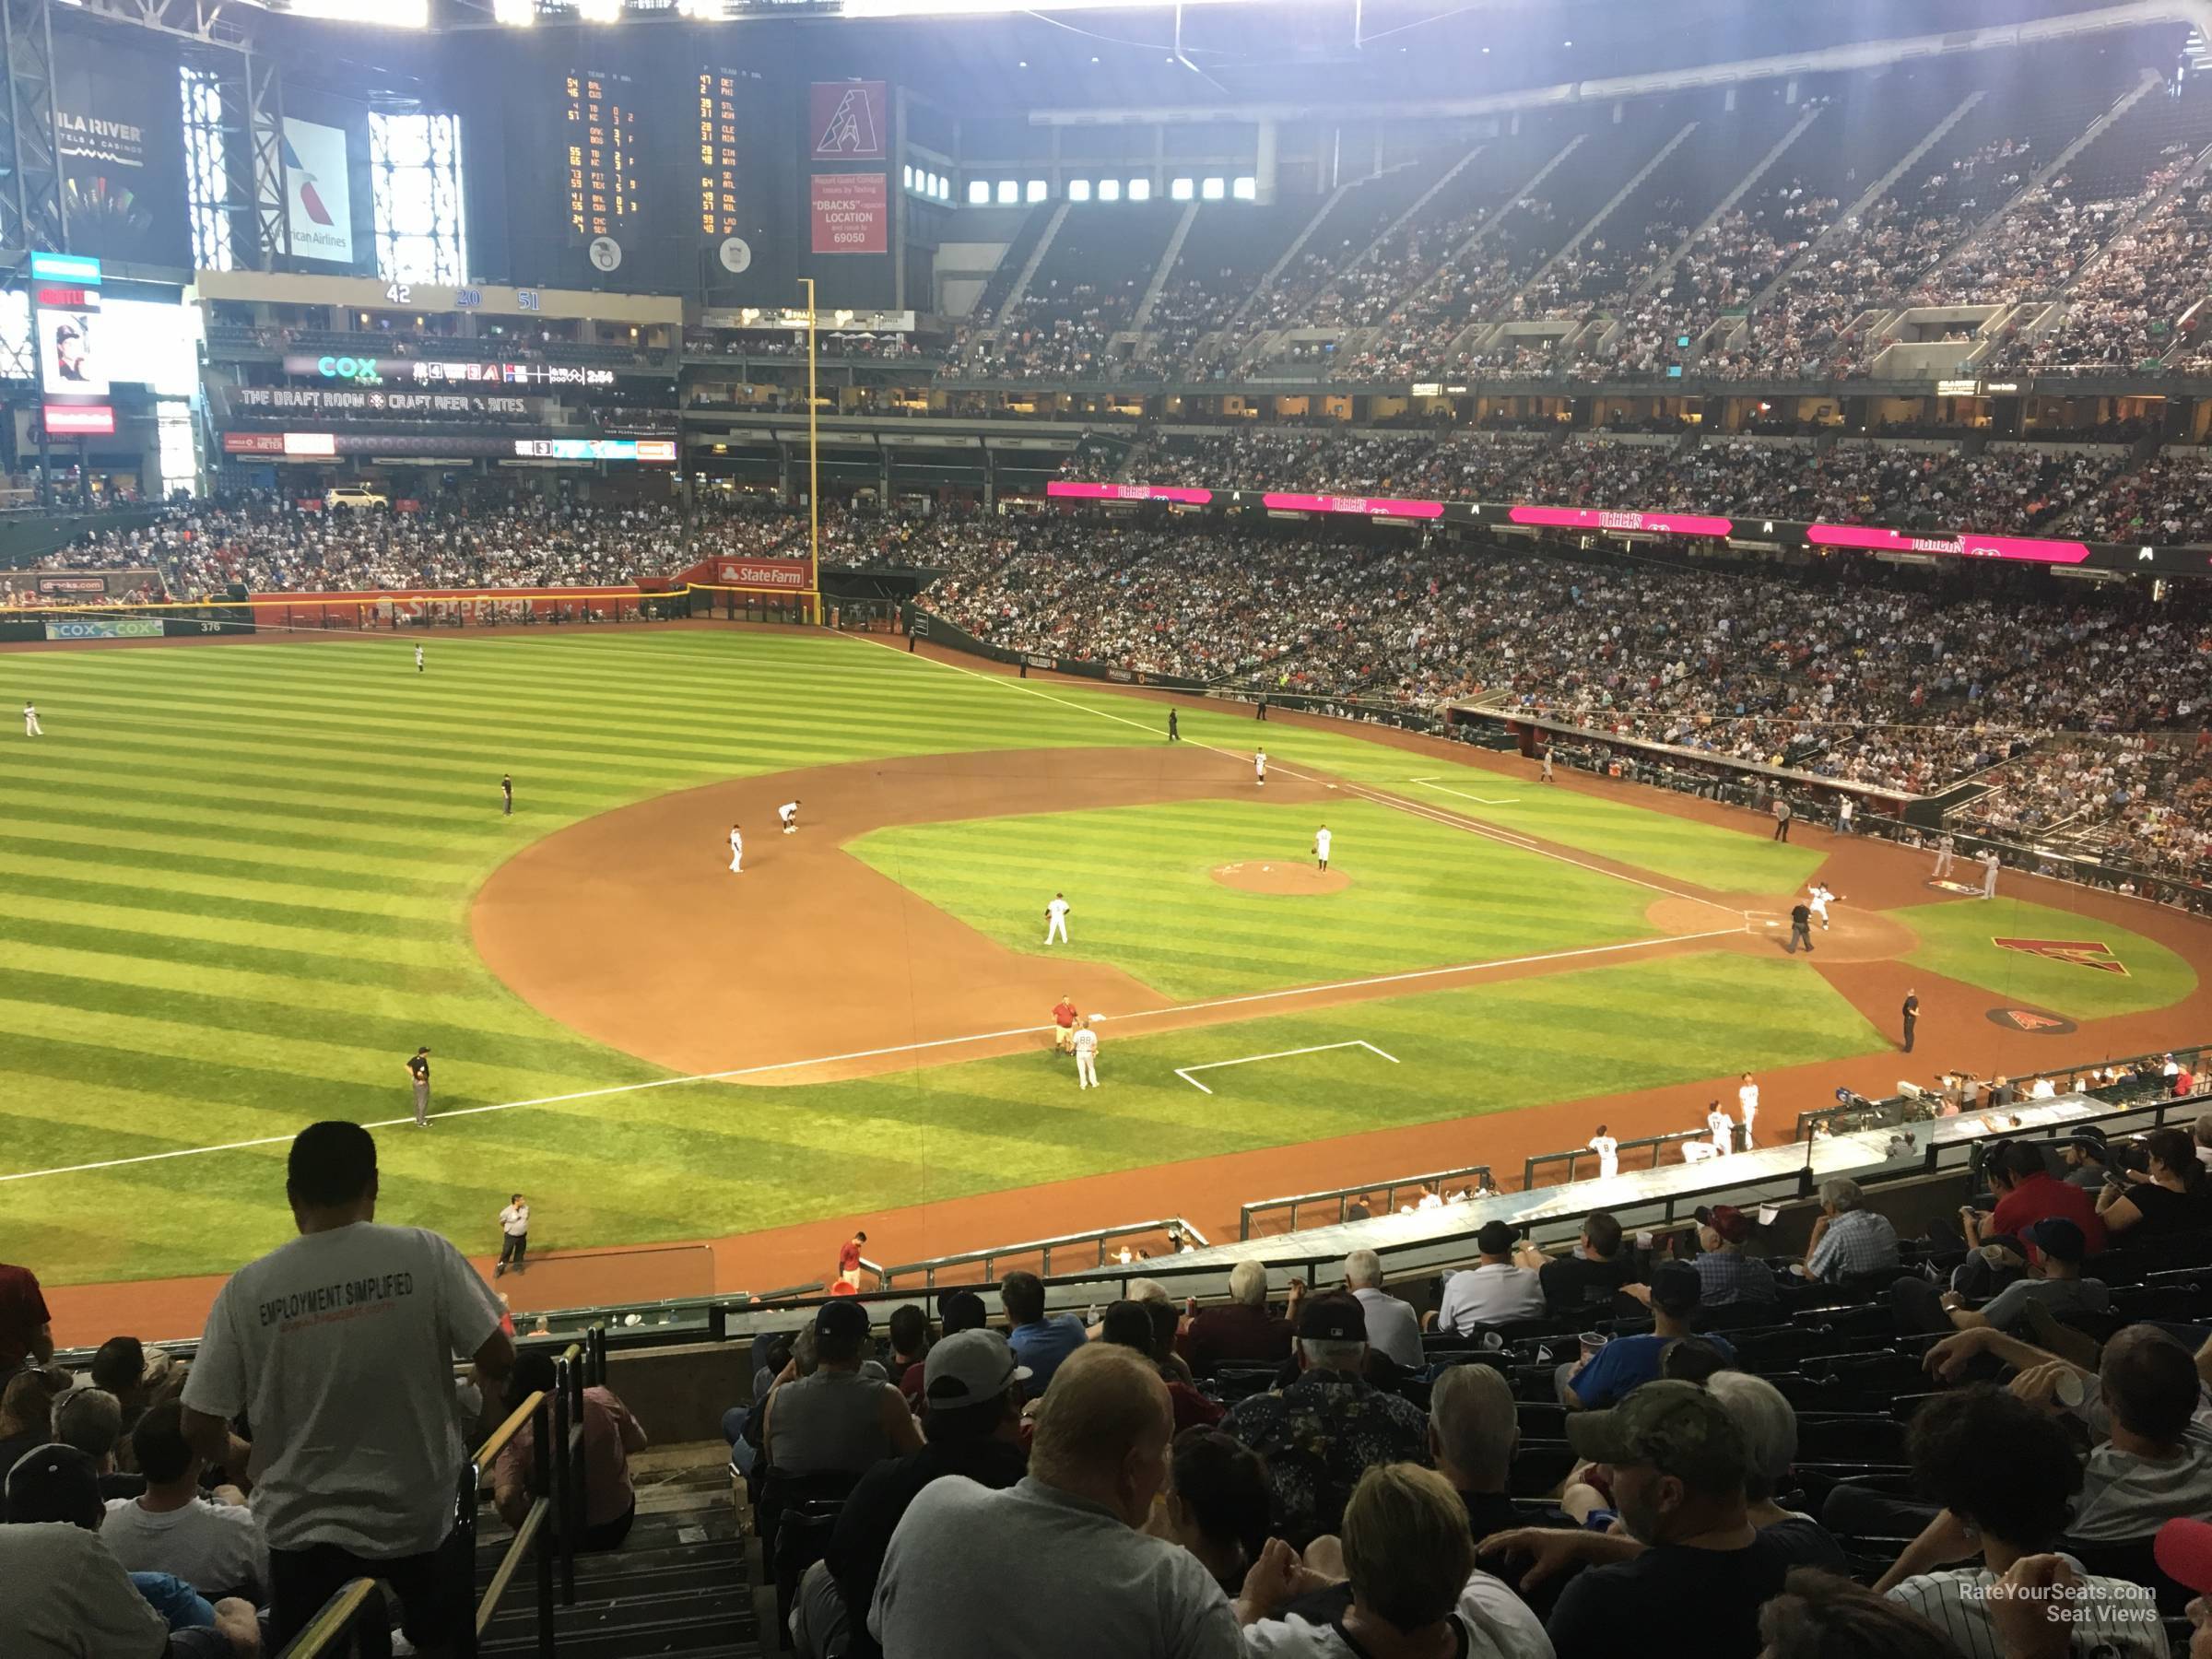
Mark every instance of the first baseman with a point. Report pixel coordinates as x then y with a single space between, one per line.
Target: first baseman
31 728
789 813
737 852
1320 848
1056 919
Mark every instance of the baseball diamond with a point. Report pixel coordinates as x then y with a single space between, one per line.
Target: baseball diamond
248 878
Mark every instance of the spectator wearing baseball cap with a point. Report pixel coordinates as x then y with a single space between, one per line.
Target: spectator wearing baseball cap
61 1588
837 1418
973 1385
2055 1280
2087 1158
1629 1362
1678 1462
956 1311
2183 1551
1725 1272
1496 1291
1321 1430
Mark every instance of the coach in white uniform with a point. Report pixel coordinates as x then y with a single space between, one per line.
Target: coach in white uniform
789 813
1056 919
1320 847
1989 875
1086 1057
737 852
1944 854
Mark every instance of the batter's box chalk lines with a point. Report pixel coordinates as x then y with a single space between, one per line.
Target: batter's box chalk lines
1320 1048
1439 786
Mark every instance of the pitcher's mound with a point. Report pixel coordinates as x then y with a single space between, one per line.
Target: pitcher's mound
1281 878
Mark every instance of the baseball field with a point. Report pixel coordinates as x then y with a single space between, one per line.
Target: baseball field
245 881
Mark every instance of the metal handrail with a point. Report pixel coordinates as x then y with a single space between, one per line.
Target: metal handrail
357 1604
1657 1142
1342 1195
1043 1248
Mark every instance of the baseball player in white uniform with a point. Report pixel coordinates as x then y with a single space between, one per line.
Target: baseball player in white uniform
1945 855
1724 1130
1056 919
1546 757
31 728
1609 1154
789 814
1087 1057
1989 875
1259 767
1746 1097
1817 899
418 659
737 852
1320 848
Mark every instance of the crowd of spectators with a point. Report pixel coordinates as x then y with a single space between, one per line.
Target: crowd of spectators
1059 330
2125 309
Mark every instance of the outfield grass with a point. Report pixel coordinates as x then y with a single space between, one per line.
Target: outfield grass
238 884
1139 879
1956 940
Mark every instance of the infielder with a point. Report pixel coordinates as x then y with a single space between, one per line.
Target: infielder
737 852
789 813
1259 766
1945 857
1609 1154
1989 875
1818 901
31 728
418 659
1320 848
1747 1098
1723 1128
1087 1057
1056 919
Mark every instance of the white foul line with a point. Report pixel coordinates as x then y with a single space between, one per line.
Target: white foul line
877 1054
1320 1048
1463 795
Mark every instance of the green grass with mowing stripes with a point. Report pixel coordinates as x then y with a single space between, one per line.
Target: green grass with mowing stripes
1957 940
239 880
1139 878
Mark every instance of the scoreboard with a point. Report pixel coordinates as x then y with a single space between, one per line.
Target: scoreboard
718 214
603 159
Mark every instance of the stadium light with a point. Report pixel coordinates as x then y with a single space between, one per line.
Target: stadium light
980 8
515 14
599 11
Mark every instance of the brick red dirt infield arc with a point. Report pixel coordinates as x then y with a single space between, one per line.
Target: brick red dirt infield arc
703 970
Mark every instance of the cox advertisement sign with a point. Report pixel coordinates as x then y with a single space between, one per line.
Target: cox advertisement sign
358 371
106 627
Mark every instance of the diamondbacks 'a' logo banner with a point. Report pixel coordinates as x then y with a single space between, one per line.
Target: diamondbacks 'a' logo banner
2082 953
845 121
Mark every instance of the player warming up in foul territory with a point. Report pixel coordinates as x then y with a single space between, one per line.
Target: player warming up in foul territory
737 852
1609 1154
1056 919
1259 767
1546 757
1320 848
789 813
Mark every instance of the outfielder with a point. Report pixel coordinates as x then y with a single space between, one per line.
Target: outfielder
418 659
1087 1057
737 852
31 728
1945 849
789 813
1320 848
1056 919
1259 766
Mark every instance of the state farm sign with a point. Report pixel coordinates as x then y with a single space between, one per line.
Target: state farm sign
761 572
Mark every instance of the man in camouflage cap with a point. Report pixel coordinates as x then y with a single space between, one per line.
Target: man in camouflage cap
1677 1462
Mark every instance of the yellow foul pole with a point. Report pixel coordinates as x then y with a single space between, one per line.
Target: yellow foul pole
814 467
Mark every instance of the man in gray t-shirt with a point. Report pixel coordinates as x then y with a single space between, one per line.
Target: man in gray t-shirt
2056 1283
1055 1564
